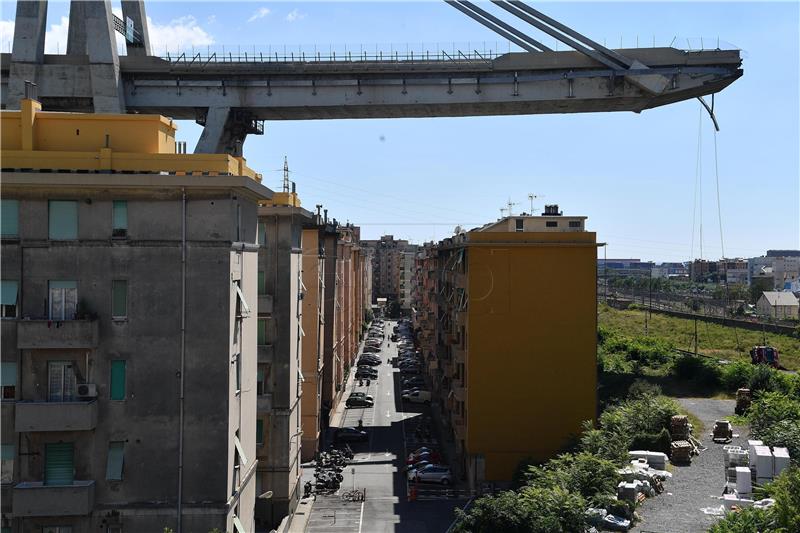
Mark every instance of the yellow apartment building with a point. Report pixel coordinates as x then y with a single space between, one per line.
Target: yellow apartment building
514 329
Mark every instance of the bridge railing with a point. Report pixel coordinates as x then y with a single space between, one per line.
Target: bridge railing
463 52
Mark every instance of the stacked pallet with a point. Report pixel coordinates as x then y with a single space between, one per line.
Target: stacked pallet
681 452
679 427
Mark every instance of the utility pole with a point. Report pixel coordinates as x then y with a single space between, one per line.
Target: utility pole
285 174
695 334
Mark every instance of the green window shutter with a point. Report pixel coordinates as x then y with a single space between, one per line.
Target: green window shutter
9 218
120 218
115 460
262 282
259 431
63 220
262 234
119 298
8 374
118 380
59 463
8 292
262 331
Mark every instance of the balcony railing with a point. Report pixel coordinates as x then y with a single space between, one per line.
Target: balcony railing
55 416
44 334
34 498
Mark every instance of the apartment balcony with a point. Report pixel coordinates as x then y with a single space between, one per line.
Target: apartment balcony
264 403
459 427
459 393
52 334
55 416
34 498
264 304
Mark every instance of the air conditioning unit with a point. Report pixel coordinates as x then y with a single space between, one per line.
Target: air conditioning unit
87 390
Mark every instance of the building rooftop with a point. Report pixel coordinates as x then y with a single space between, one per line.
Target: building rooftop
781 298
36 140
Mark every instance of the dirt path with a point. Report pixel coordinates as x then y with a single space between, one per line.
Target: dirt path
692 488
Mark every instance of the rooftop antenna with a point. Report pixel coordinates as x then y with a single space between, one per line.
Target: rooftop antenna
511 205
533 197
285 174
503 212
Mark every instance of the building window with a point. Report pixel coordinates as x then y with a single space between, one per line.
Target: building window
119 299
61 381
574 223
551 224
63 220
519 224
262 282
118 378
259 432
262 234
8 375
7 466
119 219
263 375
8 298
59 461
63 299
237 361
115 460
262 331
9 218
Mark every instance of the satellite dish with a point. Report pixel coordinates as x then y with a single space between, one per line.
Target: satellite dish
458 230
266 496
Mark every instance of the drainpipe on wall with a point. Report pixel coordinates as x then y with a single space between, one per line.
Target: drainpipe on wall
183 360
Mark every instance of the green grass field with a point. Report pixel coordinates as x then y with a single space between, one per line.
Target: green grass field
713 339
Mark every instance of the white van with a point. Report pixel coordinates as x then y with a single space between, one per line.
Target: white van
419 396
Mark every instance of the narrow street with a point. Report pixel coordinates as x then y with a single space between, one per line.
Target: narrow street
378 464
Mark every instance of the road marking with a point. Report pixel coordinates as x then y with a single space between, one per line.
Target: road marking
361 518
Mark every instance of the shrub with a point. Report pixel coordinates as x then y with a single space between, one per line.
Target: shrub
764 378
532 510
747 520
646 350
583 473
786 491
775 419
736 375
698 369
640 388
656 442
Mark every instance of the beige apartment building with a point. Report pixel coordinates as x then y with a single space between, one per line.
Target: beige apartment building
392 268
129 301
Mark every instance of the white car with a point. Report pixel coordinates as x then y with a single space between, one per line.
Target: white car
432 474
419 396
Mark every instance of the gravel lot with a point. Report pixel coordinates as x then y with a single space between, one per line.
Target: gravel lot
692 488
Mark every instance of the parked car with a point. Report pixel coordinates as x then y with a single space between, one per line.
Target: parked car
409 370
432 474
416 466
414 458
366 372
371 349
419 396
416 381
368 361
359 401
350 434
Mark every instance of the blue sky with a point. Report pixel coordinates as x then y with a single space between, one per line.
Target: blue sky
401 176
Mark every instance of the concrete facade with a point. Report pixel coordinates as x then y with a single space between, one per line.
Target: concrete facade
509 319
150 375
391 267
280 358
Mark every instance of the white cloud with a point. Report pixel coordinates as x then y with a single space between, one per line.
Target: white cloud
294 15
260 14
6 35
178 34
